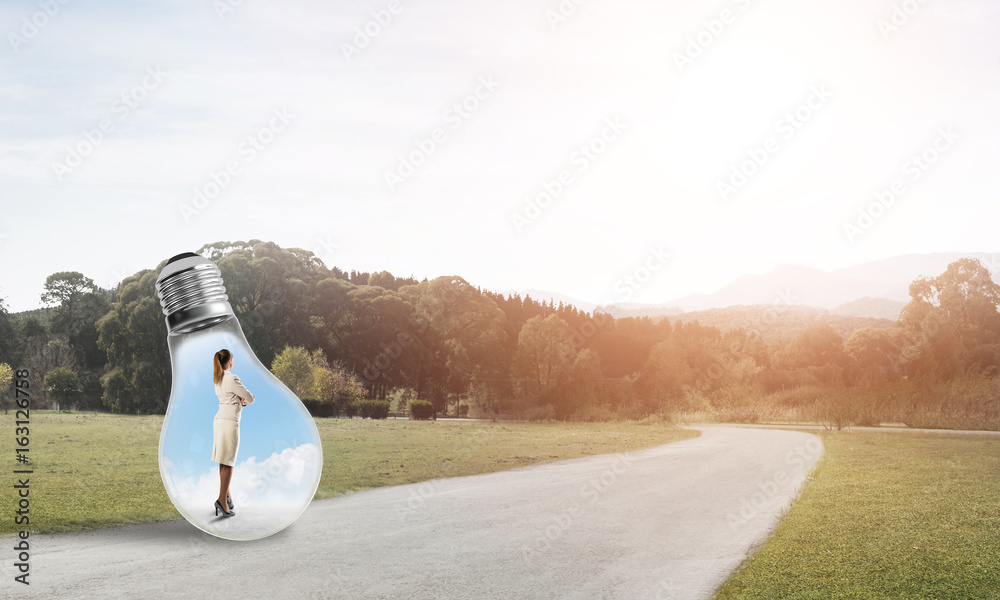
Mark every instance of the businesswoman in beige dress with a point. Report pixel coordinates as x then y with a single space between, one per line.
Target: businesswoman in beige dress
226 426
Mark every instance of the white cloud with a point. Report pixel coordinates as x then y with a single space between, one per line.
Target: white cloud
281 481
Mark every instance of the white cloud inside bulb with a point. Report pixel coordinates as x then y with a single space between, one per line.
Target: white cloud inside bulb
280 481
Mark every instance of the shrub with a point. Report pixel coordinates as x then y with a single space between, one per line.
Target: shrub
874 403
421 409
540 413
318 408
838 408
798 397
967 402
733 395
372 409
751 413
640 408
463 410
294 367
594 413
777 380
311 405
659 418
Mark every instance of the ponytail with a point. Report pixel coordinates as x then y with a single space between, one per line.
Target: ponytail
222 357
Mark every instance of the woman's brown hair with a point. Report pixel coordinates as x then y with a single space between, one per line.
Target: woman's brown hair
222 358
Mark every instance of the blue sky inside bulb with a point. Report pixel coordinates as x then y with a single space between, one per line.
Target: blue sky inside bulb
279 461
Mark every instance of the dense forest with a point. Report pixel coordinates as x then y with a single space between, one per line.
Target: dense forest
461 348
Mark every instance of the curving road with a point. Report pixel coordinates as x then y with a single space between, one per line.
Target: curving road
672 521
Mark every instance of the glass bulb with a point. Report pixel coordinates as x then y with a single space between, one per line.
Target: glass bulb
279 458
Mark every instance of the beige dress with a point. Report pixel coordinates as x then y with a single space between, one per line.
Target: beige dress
226 426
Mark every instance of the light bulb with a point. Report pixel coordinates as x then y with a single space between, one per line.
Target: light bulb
279 457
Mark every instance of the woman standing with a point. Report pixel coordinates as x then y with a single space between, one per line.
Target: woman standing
226 426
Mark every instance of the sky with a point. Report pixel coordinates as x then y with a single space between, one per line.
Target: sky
562 146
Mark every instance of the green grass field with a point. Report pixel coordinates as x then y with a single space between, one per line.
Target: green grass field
96 470
886 516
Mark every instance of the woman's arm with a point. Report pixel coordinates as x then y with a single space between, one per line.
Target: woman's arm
241 391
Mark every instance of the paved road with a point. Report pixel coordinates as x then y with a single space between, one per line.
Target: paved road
672 521
883 429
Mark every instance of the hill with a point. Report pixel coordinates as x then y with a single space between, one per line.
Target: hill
873 308
775 322
887 279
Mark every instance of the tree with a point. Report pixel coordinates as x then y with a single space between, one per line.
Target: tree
377 338
949 317
40 352
585 384
458 330
741 344
815 346
665 375
335 385
545 355
134 336
624 344
294 367
953 313
66 289
876 351
81 329
8 337
383 279
484 392
269 289
6 376
331 316
64 385
33 328
74 321
459 369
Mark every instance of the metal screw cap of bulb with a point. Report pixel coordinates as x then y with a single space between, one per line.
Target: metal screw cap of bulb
192 293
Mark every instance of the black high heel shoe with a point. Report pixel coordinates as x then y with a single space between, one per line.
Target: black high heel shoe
219 507
229 501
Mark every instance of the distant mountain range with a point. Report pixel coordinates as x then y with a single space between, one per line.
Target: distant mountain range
874 290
